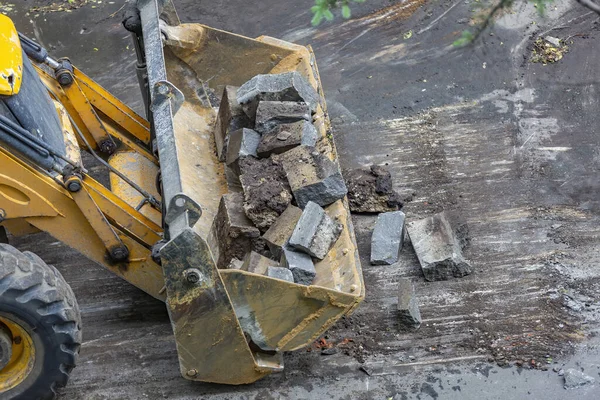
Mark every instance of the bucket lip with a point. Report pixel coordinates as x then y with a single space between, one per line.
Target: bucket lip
359 295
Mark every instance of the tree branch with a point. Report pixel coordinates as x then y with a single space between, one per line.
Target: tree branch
488 19
590 4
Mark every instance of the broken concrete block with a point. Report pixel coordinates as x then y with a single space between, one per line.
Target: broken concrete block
232 233
289 86
235 264
285 137
315 232
257 264
438 249
242 143
266 191
370 190
280 273
312 176
269 114
231 117
388 238
554 41
575 378
300 264
279 233
408 307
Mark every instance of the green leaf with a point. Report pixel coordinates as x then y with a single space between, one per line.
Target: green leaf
328 15
346 11
317 18
465 38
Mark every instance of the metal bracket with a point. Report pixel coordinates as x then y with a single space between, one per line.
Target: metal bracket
162 92
181 203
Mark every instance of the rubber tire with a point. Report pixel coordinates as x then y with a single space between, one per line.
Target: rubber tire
37 296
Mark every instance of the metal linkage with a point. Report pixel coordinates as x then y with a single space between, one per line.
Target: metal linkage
148 197
64 75
14 136
165 101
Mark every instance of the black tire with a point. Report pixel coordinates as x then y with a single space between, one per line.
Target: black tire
36 296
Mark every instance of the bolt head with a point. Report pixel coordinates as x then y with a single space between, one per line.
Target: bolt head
65 79
119 253
192 372
163 89
108 146
74 186
192 275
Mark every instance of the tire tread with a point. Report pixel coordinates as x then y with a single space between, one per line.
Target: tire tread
34 283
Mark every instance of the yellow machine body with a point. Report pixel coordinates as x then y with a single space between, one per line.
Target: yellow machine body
11 62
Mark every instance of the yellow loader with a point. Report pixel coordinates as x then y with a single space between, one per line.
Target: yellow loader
150 222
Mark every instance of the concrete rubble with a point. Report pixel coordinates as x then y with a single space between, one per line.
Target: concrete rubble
257 264
232 233
266 137
270 114
575 378
231 117
280 273
312 176
289 86
235 264
285 137
408 307
370 190
279 233
315 233
266 191
242 143
388 238
300 264
438 248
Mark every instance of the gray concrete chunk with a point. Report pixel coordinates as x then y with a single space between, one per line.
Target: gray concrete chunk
289 86
232 234
575 378
235 264
279 233
315 232
388 238
408 307
269 114
257 264
231 117
280 273
300 264
285 137
438 249
242 143
312 176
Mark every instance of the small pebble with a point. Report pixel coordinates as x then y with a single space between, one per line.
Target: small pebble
329 351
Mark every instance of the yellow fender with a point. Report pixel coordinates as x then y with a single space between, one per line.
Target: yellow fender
11 62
